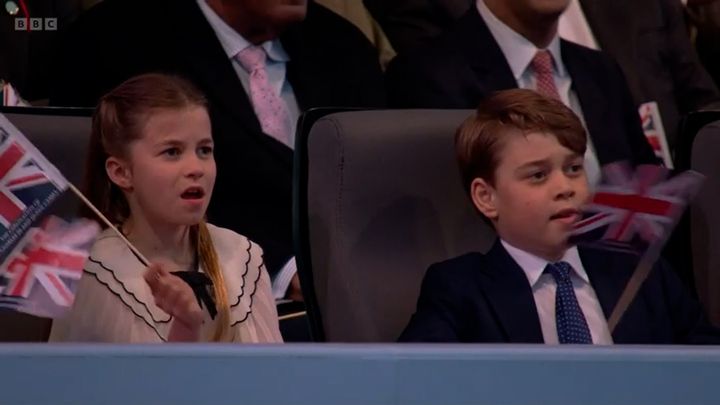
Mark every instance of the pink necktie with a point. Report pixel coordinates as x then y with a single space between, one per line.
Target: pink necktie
269 108
542 65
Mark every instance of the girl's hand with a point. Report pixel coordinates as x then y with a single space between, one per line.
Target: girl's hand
175 297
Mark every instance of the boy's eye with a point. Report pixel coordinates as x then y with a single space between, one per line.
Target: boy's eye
575 169
537 176
172 152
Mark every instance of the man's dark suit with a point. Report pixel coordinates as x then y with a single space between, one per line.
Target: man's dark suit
25 55
465 64
488 299
332 64
648 38
705 18
650 41
410 23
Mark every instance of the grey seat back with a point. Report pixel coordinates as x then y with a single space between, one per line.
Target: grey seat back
384 201
705 219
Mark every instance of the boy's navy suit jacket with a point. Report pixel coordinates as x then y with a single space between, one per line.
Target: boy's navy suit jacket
486 298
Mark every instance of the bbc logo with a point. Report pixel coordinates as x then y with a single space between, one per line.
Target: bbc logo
35 24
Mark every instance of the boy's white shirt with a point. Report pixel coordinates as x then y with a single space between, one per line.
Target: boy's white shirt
544 287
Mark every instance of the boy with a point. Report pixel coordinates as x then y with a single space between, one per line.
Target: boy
521 159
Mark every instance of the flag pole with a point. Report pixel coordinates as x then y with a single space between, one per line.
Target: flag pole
109 224
636 280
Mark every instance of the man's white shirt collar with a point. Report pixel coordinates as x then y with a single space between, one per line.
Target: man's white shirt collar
233 43
518 50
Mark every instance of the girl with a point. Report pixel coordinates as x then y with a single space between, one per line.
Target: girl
151 171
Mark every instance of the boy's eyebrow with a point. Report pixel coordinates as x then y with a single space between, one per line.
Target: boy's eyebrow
540 162
573 156
546 162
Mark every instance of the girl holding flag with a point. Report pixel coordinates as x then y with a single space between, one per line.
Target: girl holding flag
151 172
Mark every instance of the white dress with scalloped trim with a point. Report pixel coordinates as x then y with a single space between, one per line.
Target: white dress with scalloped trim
114 303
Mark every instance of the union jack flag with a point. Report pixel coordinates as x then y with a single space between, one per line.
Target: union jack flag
29 184
39 267
634 209
22 182
655 132
42 272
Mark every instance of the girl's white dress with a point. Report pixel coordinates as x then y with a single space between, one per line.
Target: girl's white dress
114 303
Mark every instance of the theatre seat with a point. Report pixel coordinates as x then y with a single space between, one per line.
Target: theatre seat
378 198
705 217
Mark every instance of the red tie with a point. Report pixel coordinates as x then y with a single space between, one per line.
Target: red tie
542 65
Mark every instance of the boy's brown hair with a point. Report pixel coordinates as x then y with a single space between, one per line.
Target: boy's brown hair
478 141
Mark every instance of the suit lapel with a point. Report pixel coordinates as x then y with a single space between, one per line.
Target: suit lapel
509 294
609 23
595 20
202 53
590 94
483 54
300 74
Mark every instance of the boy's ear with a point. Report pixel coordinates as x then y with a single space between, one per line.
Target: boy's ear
119 173
483 196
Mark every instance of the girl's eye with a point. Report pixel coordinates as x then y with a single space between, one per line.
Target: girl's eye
206 150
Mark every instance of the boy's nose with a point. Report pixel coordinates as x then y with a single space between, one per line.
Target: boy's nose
565 194
565 187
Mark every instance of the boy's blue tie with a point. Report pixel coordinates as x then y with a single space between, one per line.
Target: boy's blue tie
571 324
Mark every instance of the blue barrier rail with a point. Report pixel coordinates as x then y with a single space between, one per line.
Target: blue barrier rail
305 374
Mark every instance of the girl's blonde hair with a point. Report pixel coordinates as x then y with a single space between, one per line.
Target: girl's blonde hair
117 122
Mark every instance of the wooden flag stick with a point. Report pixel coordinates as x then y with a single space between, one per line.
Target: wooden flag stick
633 286
109 224
292 315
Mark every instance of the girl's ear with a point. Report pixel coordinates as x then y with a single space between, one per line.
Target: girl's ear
119 173
483 196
